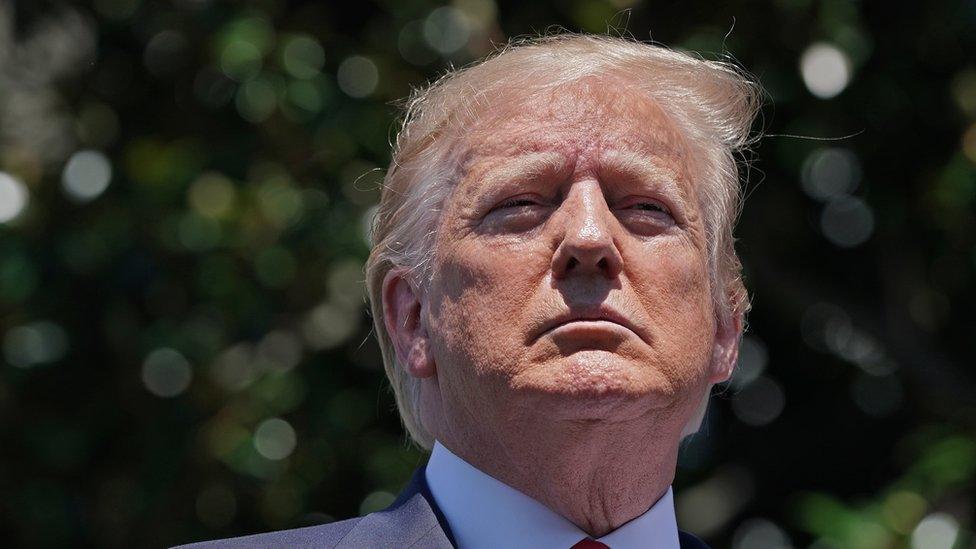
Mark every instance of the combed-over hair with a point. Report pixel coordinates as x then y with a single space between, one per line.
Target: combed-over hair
712 103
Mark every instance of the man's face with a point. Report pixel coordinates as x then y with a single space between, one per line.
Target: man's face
571 272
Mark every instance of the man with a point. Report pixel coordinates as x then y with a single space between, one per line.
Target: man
555 291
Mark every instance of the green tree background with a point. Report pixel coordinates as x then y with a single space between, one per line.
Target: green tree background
185 188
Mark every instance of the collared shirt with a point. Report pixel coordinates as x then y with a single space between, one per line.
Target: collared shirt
485 512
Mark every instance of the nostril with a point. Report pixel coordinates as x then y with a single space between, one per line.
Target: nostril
571 263
602 264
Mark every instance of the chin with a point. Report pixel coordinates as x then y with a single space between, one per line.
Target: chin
597 384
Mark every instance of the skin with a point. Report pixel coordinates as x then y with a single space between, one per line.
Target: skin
567 201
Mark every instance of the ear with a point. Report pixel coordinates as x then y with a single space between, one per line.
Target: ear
726 351
402 315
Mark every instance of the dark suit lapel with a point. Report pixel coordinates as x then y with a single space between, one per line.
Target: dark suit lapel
688 541
418 485
413 520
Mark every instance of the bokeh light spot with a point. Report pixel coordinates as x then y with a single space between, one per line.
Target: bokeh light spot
902 509
826 70
240 60
274 439
328 326
234 369
936 531
166 373
256 100
847 222
280 350
306 96
86 175
243 44
302 57
830 172
858 347
212 194
358 76
280 203
13 197
760 403
446 30
36 343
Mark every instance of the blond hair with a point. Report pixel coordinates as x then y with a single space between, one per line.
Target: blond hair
712 103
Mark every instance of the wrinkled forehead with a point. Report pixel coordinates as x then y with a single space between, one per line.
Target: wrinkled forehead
590 115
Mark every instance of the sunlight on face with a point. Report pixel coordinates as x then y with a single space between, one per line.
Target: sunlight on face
571 264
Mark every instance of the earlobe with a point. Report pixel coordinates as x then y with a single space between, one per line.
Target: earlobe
726 350
402 316
420 362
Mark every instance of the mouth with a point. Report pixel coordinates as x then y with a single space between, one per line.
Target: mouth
598 318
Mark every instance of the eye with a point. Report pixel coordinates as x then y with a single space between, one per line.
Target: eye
516 202
517 214
649 207
645 215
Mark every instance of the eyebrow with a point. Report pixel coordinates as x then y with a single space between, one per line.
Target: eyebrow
638 167
642 168
525 167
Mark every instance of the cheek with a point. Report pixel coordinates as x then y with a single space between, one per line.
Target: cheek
674 289
480 301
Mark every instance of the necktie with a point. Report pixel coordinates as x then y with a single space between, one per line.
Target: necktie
590 543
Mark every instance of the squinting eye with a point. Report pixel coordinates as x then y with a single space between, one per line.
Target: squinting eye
515 202
650 206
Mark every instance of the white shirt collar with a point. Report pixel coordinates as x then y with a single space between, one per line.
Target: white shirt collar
485 512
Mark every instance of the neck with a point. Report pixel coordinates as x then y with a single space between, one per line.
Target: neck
617 475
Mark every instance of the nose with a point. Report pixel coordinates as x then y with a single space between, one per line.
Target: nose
587 245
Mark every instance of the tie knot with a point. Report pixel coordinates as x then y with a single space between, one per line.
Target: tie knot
590 543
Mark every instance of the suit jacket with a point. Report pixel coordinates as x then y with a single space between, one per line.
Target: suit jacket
412 521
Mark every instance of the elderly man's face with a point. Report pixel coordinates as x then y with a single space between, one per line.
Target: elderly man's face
571 268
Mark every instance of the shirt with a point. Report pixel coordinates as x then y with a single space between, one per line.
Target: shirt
485 512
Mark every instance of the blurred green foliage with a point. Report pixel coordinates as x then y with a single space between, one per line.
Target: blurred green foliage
185 190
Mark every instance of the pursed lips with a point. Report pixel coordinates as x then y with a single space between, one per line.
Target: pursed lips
598 314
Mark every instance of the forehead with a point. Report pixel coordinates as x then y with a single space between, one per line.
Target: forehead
587 118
